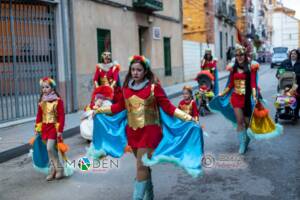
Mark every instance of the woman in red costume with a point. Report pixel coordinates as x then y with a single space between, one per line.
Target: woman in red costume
242 81
142 97
208 63
107 73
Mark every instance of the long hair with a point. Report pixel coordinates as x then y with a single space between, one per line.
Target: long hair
246 68
149 74
297 52
206 57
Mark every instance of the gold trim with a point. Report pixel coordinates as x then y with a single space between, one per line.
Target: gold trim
226 90
104 109
182 115
38 127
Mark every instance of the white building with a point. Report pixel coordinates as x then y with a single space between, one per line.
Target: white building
286 31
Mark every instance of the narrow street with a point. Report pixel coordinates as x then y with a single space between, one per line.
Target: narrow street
269 170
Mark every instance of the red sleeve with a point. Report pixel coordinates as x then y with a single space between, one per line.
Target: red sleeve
214 64
60 116
253 78
97 74
39 116
195 109
119 106
116 71
179 105
163 100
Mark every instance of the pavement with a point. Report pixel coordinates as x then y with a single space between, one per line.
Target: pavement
269 169
14 137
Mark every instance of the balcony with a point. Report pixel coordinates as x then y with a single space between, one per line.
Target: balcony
148 5
227 13
221 9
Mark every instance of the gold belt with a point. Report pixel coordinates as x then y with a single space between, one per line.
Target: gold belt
104 81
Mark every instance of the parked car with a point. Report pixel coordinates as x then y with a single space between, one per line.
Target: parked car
278 58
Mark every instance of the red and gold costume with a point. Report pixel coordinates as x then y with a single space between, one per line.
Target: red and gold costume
237 82
50 118
209 65
108 74
143 129
190 107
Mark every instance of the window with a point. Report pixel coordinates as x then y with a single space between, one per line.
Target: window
103 42
221 44
167 56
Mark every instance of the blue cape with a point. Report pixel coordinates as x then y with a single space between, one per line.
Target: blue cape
40 159
182 142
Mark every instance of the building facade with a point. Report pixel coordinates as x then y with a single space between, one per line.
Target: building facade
225 30
283 27
125 29
207 24
33 44
198 26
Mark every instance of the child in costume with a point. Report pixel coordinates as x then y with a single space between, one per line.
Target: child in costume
102 96
107 73
188 104
50 122
239 98
149 122
209 64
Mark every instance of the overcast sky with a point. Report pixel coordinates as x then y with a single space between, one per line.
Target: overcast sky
293 4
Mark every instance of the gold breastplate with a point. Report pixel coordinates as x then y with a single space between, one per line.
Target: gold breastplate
49 112
104 80
142 112
240 87
187 108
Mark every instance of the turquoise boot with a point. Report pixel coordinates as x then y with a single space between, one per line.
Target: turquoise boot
244 142
140 189
149 191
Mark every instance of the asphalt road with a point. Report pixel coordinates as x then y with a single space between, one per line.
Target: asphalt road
269 170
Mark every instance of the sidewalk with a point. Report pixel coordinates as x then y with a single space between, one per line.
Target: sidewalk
14 138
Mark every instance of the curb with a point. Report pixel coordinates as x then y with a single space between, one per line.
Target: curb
24 148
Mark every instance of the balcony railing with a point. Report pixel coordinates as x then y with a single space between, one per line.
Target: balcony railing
149 5
228 13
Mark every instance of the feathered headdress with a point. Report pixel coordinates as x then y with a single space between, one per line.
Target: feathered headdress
48 80
145 61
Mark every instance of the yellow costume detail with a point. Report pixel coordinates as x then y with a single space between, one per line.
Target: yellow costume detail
262 125
240 87
104 81
38 127
49 111
187 108
142 112
226 90
182 115
104 109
